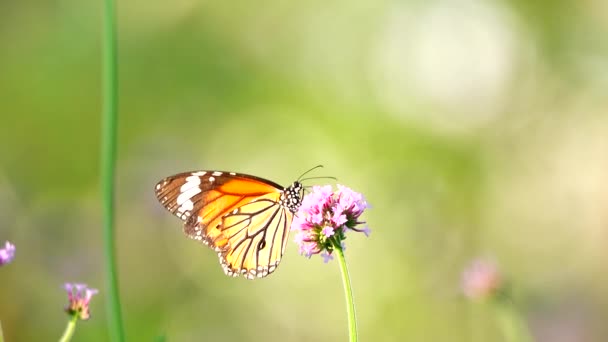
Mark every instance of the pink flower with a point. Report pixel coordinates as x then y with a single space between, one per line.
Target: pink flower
324 218
300 237
79 297
481 279
307 249
338 218
7 253
350 200
328 231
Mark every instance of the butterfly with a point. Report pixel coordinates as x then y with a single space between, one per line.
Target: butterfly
244 218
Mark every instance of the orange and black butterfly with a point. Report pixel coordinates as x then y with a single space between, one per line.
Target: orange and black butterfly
245 219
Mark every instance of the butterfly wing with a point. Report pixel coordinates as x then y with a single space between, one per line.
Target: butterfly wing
244 218
257 234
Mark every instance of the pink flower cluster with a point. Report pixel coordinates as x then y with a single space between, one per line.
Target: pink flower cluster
7 253
481 279
79 296
324 218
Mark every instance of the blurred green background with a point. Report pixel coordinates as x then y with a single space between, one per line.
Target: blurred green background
474 128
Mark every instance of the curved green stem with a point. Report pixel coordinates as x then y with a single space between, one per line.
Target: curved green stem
512 324
348 293
69 329
108 164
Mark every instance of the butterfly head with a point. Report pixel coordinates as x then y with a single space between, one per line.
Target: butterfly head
292 196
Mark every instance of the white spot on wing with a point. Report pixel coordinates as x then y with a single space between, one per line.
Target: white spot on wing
187 195
217 173
199 173
211 179
188 205
191 182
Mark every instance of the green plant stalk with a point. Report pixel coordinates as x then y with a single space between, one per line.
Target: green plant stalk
1 335
348 293
512 324
69 329
108 166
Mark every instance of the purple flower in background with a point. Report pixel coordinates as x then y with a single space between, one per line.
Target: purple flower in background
325 217
481 279
7 253
79 296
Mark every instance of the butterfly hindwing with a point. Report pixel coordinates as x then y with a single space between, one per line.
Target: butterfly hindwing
244 218
256 233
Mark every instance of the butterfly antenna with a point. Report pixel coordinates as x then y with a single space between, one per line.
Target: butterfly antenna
302 175
322 177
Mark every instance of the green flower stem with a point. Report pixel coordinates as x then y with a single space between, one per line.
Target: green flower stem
108 165
512 324
69 329
348 293
1 335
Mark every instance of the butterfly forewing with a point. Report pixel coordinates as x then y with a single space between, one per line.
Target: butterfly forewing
244 218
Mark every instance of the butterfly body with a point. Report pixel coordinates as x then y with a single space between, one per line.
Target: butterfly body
244 218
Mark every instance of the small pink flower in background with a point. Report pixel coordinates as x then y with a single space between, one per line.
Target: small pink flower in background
325 217
7 253
79 296
481 279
